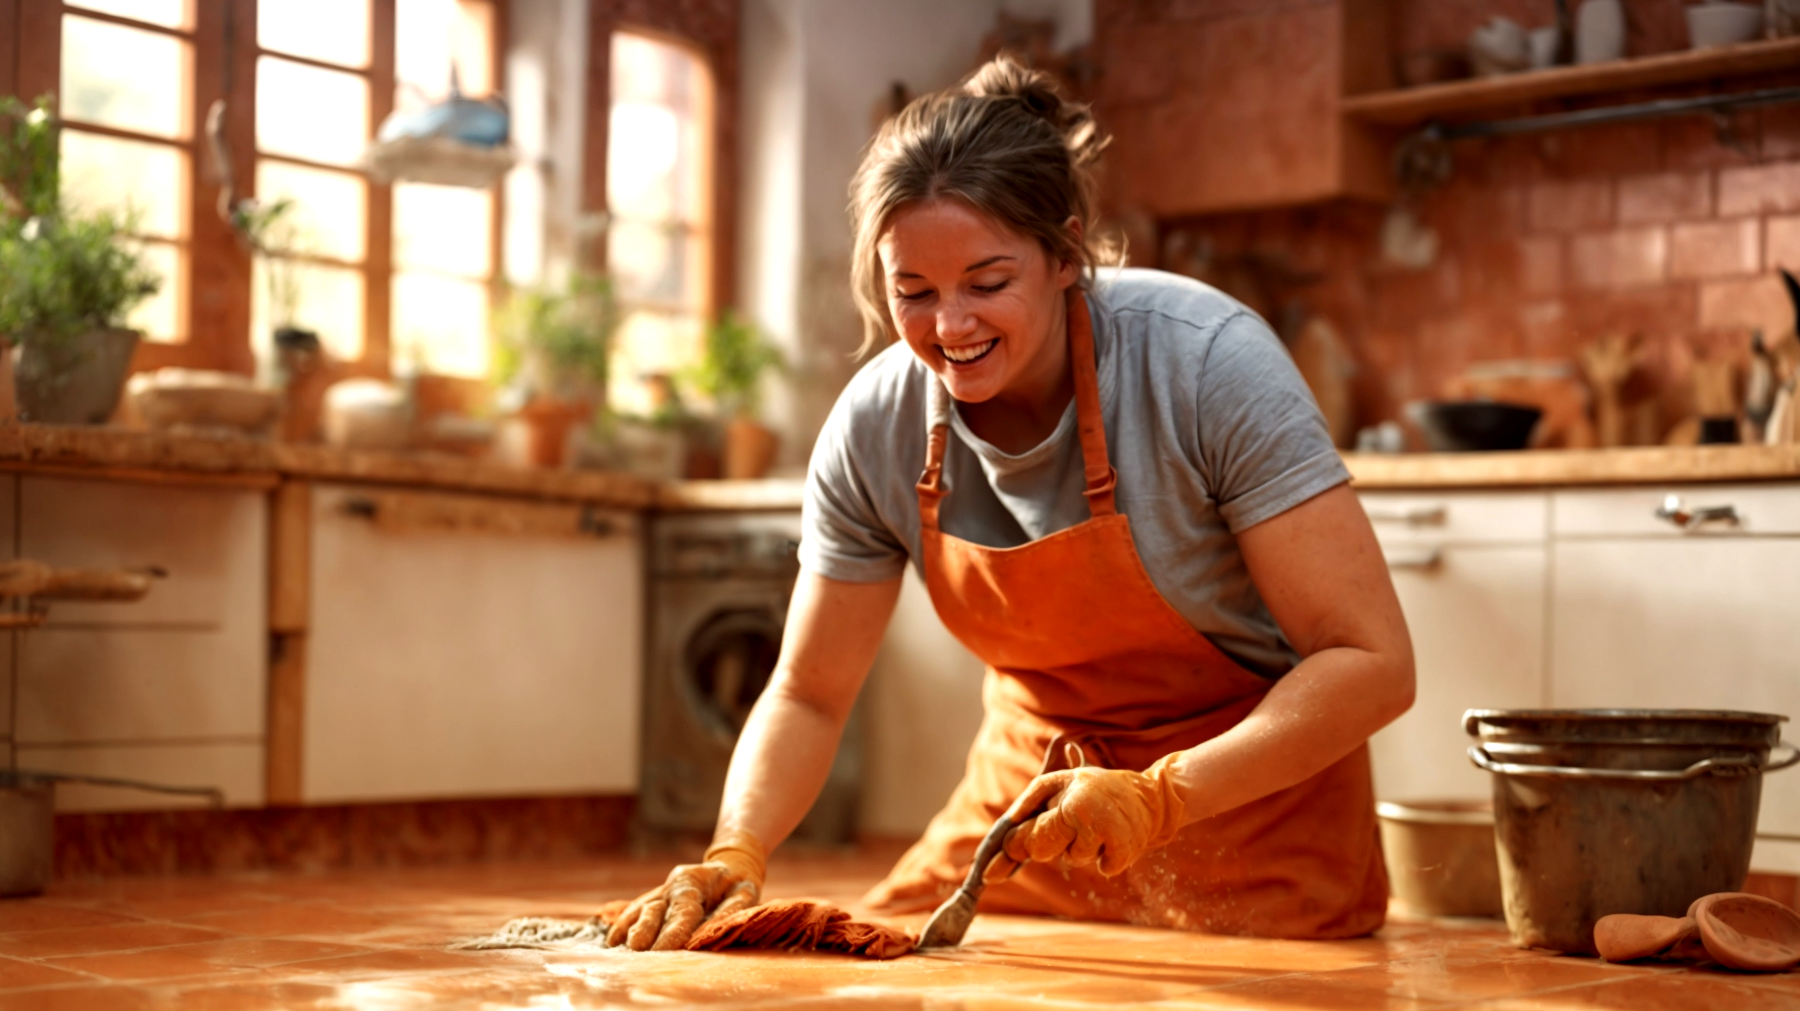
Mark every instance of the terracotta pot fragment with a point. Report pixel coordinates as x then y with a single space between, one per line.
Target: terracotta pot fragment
1627 937
1748 932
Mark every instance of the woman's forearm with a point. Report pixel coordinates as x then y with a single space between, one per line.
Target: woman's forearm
780 763
1319 712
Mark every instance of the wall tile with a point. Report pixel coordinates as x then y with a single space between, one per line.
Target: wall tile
1757 303
1626 258
1774 187
1665 196
1693 142
1541 265
1715 249
1783 243
1781 132
1570 206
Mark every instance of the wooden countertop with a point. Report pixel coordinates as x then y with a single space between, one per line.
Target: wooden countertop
1574 467
161 457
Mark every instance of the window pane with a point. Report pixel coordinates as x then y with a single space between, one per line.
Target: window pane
329 207
305 112
129 176
335 31
170 13
443 228
649 263
429 36
656 148
441 324
643 149
159 316
649 343
124 77
327 300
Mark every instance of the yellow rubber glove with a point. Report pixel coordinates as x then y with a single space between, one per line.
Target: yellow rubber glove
728 878
1091 815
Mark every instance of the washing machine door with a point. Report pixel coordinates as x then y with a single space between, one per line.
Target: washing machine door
727 665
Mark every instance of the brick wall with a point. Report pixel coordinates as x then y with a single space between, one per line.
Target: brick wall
1668 230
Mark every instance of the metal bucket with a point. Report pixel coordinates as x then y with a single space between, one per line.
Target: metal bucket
27 833
1600 811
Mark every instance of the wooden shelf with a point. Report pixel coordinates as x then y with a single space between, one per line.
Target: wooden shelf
1412 106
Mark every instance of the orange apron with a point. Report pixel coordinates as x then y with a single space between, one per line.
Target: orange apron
1080 645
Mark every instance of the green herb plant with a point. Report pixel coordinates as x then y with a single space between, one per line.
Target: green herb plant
555 343
730 372
62 271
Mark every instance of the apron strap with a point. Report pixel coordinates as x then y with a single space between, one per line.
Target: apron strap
1101 479
937 426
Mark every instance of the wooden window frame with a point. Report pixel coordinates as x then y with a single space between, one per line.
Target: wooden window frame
217 298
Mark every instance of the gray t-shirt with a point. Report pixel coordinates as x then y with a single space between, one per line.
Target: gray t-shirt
1208 423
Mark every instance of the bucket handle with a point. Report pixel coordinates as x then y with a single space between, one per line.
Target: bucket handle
1739 766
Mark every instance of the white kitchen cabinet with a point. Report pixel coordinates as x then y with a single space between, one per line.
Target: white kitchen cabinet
1469 570
469 659
1654 618
168 689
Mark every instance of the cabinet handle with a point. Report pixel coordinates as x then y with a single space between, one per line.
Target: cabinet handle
1418 516
1675 512
1423 560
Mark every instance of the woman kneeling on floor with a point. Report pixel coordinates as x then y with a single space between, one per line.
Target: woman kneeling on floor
1130 510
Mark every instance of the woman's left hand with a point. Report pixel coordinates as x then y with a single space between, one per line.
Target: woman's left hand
1090 815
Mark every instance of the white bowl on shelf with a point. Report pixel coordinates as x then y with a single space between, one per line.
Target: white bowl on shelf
1719 23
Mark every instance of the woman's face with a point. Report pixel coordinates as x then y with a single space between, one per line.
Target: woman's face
981 305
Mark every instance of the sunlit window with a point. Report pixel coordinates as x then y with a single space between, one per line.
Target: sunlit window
126 100
659 198
312 123
443 235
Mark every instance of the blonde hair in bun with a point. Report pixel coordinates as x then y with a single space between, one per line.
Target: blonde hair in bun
1004 141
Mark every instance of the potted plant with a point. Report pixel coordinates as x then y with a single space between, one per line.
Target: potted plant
67 281
554 349
730 372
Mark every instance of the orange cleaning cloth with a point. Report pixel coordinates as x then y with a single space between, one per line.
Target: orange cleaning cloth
797 924
792 925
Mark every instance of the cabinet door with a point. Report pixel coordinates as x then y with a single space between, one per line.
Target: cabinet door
1699 622
495 660
169 689
1476 614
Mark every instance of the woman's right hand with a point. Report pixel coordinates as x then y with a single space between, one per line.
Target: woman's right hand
729 878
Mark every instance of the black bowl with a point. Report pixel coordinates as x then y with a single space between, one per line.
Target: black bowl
1469 426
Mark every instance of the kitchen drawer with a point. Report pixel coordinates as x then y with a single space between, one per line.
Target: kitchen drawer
1457 517
1631 512
212 542
236 768
81 685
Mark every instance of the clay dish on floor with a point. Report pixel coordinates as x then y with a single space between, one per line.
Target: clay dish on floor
1748 932
1626 937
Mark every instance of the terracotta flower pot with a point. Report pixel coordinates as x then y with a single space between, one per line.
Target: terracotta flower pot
74 380
548 423
749 450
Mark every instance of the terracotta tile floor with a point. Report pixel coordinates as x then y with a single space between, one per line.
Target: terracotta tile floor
379 940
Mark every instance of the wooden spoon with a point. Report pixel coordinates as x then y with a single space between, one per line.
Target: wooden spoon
1748 932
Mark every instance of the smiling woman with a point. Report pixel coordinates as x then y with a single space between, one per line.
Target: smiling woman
1130 508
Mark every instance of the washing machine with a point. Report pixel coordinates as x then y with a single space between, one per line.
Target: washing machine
719 590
